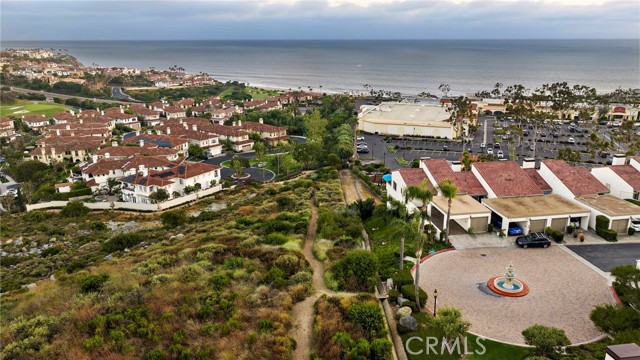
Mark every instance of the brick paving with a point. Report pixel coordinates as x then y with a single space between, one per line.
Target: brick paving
563 291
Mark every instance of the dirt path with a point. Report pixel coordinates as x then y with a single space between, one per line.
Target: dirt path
354 188
302 313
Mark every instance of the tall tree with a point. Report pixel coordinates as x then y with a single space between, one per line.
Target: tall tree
449 191
315 127
425 195
261 151
407 233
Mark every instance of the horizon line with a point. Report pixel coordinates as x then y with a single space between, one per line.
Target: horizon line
394 39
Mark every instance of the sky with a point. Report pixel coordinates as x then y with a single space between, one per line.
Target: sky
318 19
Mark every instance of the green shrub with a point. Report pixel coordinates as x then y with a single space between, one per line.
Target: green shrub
557 236
155 354
93 283
356 271
490 227
545 339
401 278
609 235
74 209
276 238
409 292
98 226
174 218
631 231
233 262
274 277
411 304
29 336
633 201
122 241
612 319
602 222
34 216
71 194
219 281
93 343
367 316
51 251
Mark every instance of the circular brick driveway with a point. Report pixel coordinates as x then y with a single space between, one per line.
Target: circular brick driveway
563 291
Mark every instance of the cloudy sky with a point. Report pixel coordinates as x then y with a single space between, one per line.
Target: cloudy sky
318 19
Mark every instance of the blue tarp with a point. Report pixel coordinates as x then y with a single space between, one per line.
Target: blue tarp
386 177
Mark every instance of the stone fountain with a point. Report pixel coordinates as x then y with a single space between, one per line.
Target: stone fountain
508 285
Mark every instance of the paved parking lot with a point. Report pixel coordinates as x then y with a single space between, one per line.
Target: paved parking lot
545 147
608 256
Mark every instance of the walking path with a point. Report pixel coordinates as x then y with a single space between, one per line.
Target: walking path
302 313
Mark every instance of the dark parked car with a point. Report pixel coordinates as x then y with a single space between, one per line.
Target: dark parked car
496 146
533 240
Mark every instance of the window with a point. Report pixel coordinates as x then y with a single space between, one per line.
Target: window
395 186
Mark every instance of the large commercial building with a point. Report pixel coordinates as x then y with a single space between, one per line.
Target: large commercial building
402 119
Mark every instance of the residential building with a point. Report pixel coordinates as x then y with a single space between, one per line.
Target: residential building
97 174
504 179
7 128
621 179
139 186
437 170
161 141
122 152
172 112
35 121
273 135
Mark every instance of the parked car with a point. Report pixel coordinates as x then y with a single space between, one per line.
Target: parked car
362 150
496 146
514 229
635 224
490 151
360 138
616 124
500 154
537 239
571 141
445 148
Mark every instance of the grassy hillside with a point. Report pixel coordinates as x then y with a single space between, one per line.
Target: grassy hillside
219 284
24 107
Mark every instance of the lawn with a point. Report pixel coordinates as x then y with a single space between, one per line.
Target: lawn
492 350
392 149
24 107
402 162
260 94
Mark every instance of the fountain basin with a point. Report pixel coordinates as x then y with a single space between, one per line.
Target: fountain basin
497 285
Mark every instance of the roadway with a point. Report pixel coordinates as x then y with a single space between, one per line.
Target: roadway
116 92
51 95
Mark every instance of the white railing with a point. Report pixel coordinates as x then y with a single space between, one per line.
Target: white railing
119 205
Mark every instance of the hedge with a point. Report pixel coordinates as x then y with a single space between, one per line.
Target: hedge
602 222
409 292
401 278
609 235
70 194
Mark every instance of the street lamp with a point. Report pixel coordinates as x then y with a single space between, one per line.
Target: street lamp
435 301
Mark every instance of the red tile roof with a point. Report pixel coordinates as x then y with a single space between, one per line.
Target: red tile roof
535 176
577 179
629 174
507 178
414 177
126 151
466 181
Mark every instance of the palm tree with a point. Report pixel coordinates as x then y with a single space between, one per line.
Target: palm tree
407 232
449 190
425 195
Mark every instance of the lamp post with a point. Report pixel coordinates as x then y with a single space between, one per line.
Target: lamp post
435 301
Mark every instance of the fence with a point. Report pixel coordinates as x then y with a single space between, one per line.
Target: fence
118 205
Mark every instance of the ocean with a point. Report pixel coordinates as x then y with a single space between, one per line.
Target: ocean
407 66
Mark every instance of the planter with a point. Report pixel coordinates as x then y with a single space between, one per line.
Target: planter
581 237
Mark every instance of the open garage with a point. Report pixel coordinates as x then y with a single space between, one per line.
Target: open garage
535 213
466 213
618 211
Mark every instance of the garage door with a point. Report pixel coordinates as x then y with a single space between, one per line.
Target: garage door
437 218
559 224
620 226
537 225
479 224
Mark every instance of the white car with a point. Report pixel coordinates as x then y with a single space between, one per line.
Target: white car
571 141
490 151
483 145
500 154
360 138
635 224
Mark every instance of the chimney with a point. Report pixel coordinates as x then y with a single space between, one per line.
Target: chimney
107 155
58 132
233 124
529 163
194 127
102 112
619 159
261 121
143 170
81 121
72 112
114 143
456 166
168 130
239 122
141 143
94 158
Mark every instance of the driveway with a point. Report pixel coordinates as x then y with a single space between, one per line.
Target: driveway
483 240
563 291
608 256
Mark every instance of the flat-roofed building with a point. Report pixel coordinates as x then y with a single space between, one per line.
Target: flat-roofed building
403 119
618 211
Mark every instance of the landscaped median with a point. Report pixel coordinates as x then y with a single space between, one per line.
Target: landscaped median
402 161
